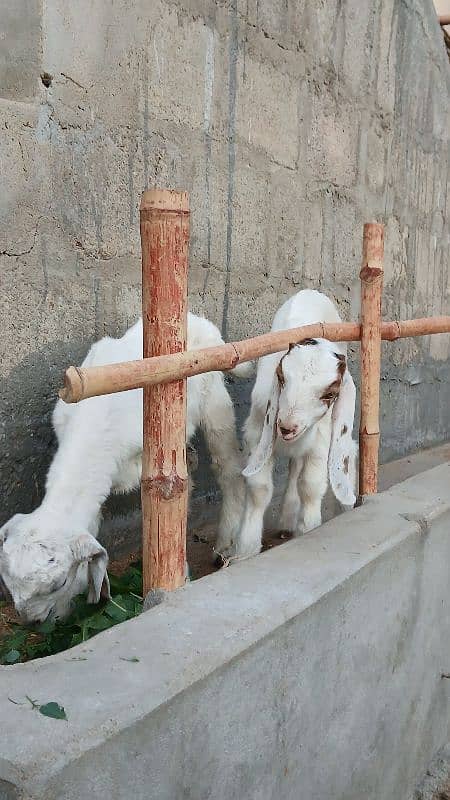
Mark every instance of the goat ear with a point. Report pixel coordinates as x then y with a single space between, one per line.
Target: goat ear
86 548
263 451
342 455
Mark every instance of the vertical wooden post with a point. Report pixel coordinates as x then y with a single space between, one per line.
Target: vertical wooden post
371 276
164 488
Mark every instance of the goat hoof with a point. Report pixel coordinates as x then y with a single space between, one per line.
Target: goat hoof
285 533
221 561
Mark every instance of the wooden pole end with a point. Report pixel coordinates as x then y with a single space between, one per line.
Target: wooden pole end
72 390
165 200
373 251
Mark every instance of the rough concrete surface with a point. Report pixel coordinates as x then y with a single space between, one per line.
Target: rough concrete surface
435 785
289 123
311 671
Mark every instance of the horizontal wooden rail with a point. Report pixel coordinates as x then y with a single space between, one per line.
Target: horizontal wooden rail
83 382
414 327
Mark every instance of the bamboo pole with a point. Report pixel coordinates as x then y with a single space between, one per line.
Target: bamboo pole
423 326
83 382
371 276
164 488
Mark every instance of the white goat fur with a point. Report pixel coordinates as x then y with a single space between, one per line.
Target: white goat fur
50 555
317 432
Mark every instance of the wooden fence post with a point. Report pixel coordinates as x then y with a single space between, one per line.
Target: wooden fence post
371 276
164 220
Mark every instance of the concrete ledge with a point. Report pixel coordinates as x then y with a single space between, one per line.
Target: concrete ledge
311 671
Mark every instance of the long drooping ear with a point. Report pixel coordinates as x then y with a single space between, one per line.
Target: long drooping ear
342 455
86 548
263 450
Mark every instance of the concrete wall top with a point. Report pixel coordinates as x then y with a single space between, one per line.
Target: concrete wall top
349 624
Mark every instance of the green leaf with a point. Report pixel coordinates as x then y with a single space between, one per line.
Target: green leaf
46 627
53 710
85 630
115 609
133 659
37 649
15 640
12 657
99 622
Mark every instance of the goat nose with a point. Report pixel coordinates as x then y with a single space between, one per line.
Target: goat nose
288 431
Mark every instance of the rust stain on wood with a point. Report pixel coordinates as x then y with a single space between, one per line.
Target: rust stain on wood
166 487
370 273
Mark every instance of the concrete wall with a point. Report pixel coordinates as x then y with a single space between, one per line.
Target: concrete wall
290 124
311 671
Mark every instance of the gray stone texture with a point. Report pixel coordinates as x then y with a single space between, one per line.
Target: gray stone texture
311 671
290 124
435 784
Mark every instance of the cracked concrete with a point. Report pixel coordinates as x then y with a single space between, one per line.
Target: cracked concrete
11 254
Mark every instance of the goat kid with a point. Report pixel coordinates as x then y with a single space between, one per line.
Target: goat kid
302 407
49 556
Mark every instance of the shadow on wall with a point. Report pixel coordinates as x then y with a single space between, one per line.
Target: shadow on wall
25 424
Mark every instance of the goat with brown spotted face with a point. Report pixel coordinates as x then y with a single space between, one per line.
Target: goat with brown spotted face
303 406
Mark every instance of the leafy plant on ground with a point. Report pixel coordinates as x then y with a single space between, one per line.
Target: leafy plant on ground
85 620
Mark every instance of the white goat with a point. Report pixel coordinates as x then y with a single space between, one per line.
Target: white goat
303 406
50 555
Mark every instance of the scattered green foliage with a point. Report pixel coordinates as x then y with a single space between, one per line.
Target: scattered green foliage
85 620
12 657
52 709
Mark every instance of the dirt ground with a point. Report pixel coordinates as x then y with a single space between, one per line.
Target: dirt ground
7 617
